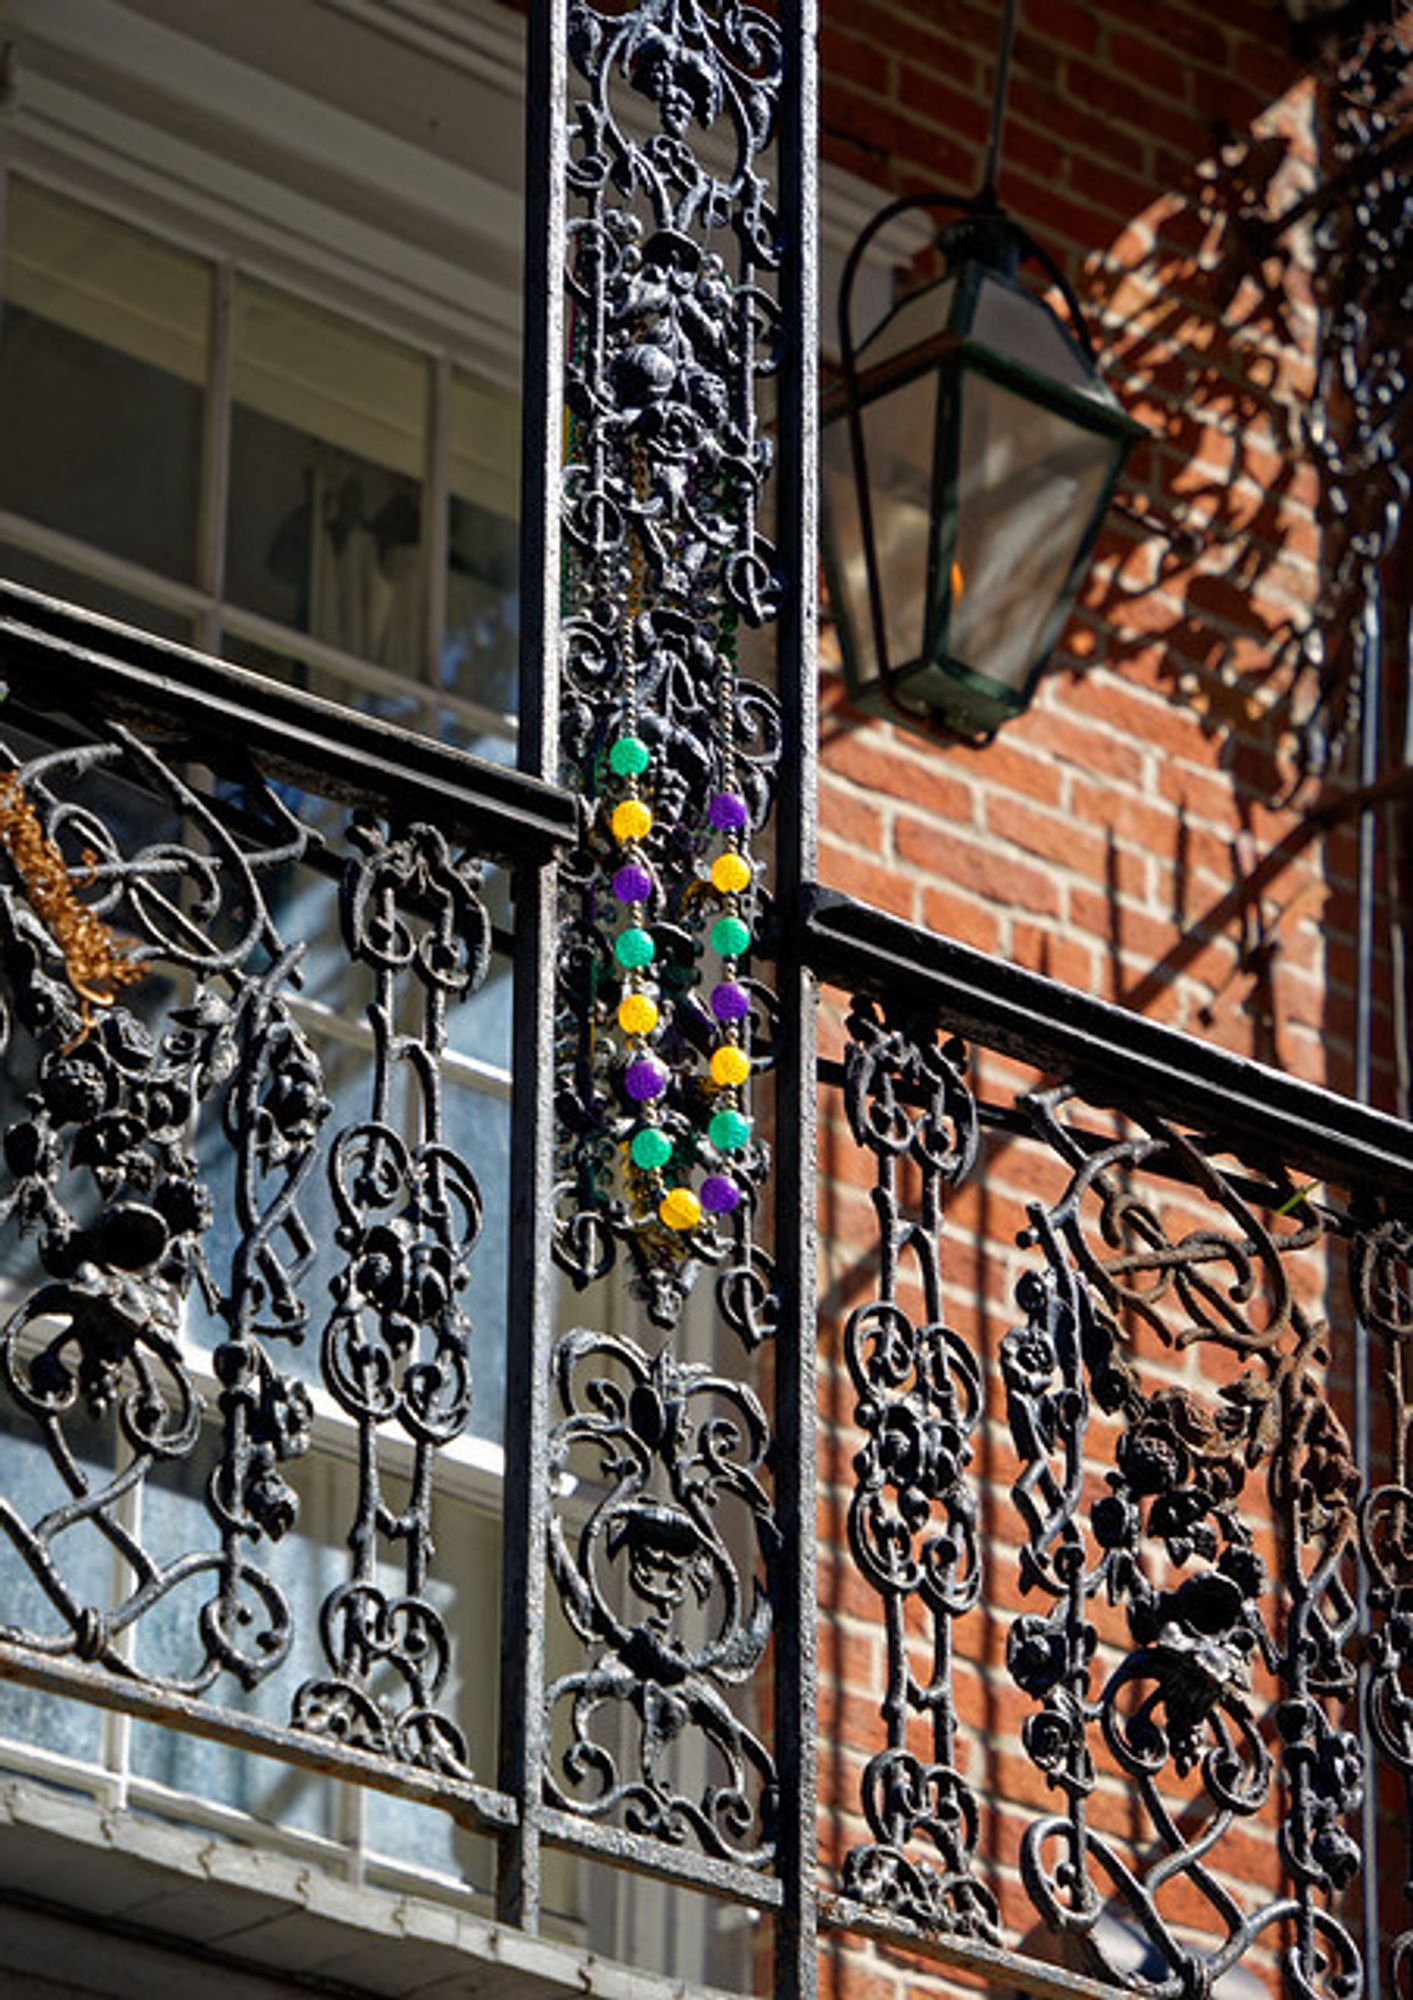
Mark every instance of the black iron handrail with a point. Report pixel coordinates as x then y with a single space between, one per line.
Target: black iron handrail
1120 1057
56 657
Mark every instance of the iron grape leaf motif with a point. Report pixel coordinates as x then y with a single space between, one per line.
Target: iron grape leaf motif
104 1183
127 1114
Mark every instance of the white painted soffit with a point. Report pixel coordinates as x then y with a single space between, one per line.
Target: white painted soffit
305 190
295 187
486 40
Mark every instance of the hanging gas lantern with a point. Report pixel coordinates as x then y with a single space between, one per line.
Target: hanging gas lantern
970 464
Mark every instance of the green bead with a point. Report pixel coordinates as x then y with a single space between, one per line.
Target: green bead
634 949
629 757
729 1131
730 936
651 1149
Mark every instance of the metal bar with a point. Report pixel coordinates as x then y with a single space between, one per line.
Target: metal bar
529 1341
991 166
436 513
474 1805
1003 1969
216 458
530 1321
1120 1056
115 571
1370 644
685 1866
796 1420
61 658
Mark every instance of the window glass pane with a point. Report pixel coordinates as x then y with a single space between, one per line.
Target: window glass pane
370 697
82 1562
480 645
328 440
478 1129
103 361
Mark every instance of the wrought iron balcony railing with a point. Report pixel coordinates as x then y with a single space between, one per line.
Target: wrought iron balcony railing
1012 1572
1090 1502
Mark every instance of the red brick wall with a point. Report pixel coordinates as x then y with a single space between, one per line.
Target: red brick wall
1095 839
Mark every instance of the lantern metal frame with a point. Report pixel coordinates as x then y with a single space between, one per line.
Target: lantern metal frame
981 241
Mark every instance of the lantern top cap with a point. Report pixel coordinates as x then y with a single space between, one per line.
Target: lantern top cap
976 234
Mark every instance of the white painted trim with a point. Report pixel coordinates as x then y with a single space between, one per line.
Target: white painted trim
216 207
273 114
466 300
485 42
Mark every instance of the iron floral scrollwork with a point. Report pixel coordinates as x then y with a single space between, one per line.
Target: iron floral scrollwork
104 1182
1170 1545
913 1528
653 1582
396 1346
1381 1283
672 747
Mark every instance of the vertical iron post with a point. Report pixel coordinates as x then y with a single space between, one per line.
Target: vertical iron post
795 1412
531 1286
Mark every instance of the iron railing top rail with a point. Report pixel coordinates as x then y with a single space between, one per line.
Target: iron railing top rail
56 657
1119 1057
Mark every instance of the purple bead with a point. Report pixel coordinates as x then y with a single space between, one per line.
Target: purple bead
727 812
719 1195
730 1002
644 1079
632 884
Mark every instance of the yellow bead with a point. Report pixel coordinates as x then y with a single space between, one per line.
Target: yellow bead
730 1065
631 820
680 1209
730 873
637 1014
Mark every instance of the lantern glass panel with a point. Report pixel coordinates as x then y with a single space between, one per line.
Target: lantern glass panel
914 323
898 431
899 436
1029 483
1017 324
843 549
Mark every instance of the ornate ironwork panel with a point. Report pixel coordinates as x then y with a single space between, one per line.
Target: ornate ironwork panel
665 1024
1229 1688
914 1527
1381 1277
172 950
672 325
1176 1513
